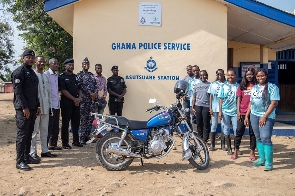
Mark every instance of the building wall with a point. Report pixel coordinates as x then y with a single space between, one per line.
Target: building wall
244 52
99 23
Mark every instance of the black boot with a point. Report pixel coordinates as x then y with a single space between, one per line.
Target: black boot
222 142
228 143
212 138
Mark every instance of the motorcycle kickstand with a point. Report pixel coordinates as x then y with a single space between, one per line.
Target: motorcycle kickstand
141 161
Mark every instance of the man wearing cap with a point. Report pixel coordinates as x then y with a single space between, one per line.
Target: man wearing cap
70 104
89 92
117 89
27 107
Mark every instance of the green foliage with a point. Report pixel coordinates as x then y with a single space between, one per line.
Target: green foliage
6 49
39 30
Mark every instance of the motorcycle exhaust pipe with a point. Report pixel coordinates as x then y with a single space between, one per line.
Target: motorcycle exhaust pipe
124 152
187 153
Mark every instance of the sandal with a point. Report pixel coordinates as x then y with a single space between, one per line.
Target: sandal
234 156
252 157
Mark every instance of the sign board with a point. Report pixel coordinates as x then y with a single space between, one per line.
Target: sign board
150 14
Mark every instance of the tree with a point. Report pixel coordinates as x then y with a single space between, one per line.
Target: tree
39 30
6 49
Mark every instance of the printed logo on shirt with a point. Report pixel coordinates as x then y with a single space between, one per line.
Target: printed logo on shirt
247 92
257 94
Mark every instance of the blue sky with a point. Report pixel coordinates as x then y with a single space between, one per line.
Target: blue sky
286 5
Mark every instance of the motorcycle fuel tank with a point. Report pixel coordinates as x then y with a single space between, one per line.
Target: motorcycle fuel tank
161 119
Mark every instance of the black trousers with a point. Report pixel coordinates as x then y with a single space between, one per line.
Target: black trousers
116 107
240 132
25 128
203 122
70 113
53 127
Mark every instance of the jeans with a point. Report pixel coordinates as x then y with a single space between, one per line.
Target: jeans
263 134
186 104
225 123
240 132
203 122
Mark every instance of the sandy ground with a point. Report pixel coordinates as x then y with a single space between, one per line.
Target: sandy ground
76 172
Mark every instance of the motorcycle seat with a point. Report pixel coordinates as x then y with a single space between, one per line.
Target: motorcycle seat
122 121
135 124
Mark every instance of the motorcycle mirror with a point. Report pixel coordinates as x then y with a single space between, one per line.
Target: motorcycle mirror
153 100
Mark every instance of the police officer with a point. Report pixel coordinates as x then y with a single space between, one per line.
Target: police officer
117 89
70 104
89 93
27 106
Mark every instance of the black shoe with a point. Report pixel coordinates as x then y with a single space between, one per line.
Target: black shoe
23 166
83 142
66 146
35 156
48 154
54 148
31 160
78 144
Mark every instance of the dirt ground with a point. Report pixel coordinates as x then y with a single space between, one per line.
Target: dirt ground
76 172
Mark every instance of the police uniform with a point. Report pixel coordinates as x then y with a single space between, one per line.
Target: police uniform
69 111
117 85
25 83
88 86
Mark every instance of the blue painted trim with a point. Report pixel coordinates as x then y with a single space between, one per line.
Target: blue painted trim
265 10
55 4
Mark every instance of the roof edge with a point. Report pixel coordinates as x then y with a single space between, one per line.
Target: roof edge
55 4
265 10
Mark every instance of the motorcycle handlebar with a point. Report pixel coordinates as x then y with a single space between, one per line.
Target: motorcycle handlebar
156 107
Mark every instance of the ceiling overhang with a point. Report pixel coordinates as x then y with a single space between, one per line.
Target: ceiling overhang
62 11
256 23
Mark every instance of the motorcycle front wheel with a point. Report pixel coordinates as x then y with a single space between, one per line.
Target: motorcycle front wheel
200 153
112 161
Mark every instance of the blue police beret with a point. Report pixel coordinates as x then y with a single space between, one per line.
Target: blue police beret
28 52
68 61
114 67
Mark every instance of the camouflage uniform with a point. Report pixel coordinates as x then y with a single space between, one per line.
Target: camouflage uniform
88 86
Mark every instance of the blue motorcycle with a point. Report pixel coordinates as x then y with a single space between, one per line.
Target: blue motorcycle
125 139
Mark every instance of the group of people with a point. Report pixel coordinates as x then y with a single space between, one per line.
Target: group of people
248 104
40 96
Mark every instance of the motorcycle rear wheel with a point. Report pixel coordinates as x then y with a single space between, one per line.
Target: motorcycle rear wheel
200 156
111 161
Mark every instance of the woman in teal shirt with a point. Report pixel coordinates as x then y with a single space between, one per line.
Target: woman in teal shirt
264 99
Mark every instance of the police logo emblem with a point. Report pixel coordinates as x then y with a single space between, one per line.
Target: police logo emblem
151 65
142 20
